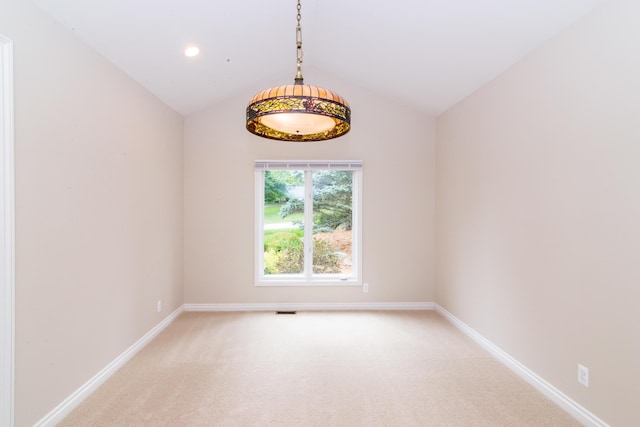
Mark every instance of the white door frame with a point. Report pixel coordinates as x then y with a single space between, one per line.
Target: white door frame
7 234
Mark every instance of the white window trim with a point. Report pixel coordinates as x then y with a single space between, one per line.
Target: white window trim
308 279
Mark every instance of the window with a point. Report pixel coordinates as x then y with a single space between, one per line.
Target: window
308 222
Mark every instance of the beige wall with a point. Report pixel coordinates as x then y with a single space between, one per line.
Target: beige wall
98 211
396 145
538 195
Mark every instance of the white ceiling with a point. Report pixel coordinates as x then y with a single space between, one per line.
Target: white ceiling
428 54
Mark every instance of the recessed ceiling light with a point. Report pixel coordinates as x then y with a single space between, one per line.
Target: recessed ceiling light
191 51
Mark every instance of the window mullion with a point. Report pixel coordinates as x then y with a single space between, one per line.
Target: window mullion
308 223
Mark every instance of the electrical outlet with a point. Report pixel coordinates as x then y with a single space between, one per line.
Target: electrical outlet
159 305
583 375
365 287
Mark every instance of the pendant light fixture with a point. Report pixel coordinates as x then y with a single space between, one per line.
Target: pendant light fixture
298 112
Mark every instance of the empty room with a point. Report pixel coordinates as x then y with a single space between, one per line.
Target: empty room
314 213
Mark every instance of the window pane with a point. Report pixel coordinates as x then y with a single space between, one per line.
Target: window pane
332 221
283 222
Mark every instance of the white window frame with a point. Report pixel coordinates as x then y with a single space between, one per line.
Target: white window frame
307 278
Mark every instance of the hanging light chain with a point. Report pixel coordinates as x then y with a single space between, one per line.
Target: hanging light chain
299 47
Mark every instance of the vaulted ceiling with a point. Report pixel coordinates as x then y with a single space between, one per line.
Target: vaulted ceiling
428 54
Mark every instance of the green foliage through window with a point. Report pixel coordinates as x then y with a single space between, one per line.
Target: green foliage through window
332 201
284 254
275 189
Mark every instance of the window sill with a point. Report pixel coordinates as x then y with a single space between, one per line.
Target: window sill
309 283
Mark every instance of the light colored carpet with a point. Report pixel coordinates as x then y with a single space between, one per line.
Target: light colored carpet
315 369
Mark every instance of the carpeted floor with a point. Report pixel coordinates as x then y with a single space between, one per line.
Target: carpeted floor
315 369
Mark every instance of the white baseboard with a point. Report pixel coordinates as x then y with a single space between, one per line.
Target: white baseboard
311 306
71 402
565 402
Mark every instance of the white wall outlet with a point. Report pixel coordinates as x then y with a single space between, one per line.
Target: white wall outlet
159 305
583 375
365 287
